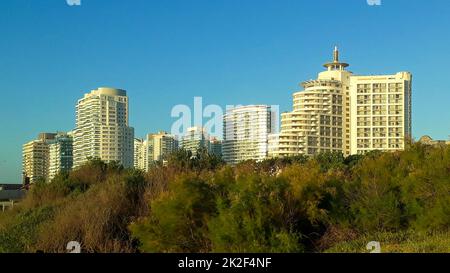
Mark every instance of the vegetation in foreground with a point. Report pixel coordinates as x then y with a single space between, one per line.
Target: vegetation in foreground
398 242
324 204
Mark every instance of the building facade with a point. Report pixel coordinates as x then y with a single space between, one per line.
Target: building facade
102 130
139 154
155 148
427 140
341 112
319 121
285 144
196 138
246 131
35 158
163 144
215 146
60 154
380 112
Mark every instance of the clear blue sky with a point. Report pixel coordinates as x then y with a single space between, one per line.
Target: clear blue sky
227 51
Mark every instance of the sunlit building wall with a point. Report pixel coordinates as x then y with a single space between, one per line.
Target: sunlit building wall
36 158
342 112
246 131
102 129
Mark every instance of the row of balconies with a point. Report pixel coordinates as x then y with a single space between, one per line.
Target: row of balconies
379 89
382 135
369 102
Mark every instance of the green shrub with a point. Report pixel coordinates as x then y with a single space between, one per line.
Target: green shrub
177 221
255 217
20 234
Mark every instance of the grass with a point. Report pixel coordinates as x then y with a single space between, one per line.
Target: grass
399 242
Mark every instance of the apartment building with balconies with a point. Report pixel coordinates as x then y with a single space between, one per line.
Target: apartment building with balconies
102 129
343 112
246 132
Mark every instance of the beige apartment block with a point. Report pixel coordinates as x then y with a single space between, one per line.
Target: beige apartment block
341 112
380 112
154 148
163 145
36 158
319 121
284 144
102 129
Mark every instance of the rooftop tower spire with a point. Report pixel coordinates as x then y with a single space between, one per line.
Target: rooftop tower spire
336 55
336 65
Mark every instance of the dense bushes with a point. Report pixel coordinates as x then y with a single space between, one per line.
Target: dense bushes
403 190
255 215
98 218
93 205
19 233
177 222
197 204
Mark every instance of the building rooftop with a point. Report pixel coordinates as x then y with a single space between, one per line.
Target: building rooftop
10 186
110 91
8 195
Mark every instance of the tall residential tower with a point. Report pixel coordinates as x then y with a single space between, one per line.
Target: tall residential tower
60 154
341 112
380 112
36 158
102 129
246 131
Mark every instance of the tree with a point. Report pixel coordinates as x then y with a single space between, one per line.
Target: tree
177 220
255 217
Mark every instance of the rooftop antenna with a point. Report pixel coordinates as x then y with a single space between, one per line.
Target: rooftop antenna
336 65
336 54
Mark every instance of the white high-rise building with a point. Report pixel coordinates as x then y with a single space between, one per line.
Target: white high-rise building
102 129
139 154
318 122
341 112
196 138
246 131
